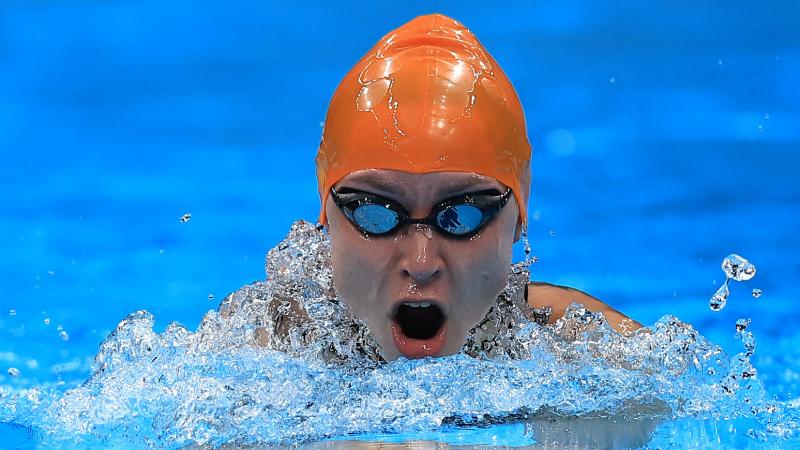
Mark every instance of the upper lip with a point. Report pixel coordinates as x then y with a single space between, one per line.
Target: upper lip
397 303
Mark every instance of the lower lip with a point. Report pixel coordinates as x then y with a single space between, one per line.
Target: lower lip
419 348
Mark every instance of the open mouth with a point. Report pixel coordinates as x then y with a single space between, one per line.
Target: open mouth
419 329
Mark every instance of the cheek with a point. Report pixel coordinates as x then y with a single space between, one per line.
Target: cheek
484 273
357 269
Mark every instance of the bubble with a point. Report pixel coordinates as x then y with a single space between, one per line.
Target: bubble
766 116
742 324
63 335
59 327
552 232
720 62
186 217
720 297
612 80
46 321
211 296
760 128
757 293
51 273
13 371
738 268
161 251
12 312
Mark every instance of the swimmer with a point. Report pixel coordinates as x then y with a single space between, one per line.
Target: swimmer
424 175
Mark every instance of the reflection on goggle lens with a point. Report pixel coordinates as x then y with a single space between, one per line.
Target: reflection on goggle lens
460 216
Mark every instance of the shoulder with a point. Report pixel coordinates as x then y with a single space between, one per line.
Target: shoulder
544 295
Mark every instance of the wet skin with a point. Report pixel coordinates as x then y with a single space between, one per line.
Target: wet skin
373 275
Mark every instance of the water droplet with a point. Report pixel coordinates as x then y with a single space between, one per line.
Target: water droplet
51 273
757 293
425 230
186 217
59 327
720 62
766 116
46 321
760 128
612 80
12 312
537 215
13 371
552 232
720 297
738 268
63 335
211 296
742 324
161 251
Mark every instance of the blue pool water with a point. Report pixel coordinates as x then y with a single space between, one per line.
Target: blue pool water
665 138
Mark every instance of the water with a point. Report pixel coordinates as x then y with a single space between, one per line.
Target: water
112 131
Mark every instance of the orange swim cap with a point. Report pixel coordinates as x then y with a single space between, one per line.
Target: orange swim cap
426 98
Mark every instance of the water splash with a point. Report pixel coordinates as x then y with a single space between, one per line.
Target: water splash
284 362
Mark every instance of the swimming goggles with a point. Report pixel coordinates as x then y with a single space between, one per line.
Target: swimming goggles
462 216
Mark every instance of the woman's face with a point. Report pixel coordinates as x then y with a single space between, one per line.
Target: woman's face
419 291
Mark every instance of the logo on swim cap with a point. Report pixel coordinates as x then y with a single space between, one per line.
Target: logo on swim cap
427 98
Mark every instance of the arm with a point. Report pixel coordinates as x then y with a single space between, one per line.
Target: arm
559 297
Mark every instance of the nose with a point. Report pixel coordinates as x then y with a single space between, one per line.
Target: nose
421 260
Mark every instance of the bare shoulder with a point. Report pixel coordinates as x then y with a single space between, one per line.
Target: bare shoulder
542 295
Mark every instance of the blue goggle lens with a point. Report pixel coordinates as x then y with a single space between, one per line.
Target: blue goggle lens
375 219
460 219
